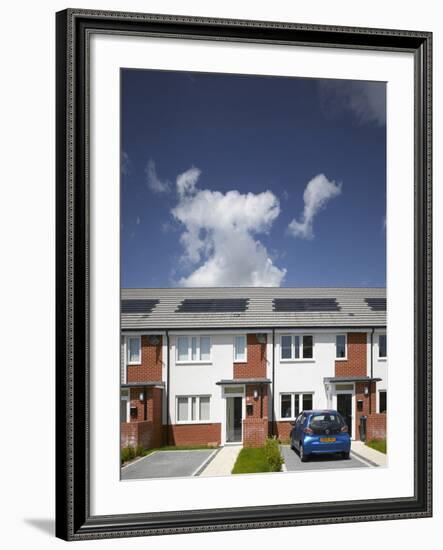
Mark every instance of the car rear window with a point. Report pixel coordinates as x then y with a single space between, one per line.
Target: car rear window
319 420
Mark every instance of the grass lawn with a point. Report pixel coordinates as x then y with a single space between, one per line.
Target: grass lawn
251 461
377 444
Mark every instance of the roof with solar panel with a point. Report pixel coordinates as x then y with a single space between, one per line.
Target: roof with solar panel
252 307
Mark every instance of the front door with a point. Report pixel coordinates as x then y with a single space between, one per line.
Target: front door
344 407
234 407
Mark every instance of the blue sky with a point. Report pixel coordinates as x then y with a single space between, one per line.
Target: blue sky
245 180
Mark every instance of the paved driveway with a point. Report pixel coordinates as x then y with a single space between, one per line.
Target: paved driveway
319 462
168 464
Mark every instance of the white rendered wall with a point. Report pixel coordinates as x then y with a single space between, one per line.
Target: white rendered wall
305 375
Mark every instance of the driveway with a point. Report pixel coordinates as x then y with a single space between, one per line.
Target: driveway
168 464
319 462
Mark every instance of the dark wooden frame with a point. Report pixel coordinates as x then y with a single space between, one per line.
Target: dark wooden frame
73 518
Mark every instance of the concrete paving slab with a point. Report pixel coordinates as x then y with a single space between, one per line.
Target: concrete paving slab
223 462
361 450
319 462
168 464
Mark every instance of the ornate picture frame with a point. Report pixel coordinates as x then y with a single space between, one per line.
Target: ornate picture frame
75 27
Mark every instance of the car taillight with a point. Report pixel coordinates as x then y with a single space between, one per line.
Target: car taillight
308 431
344 429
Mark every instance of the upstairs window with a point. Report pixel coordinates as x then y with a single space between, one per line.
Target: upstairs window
134 350
382 346
340 346
193 349
294 346
240 349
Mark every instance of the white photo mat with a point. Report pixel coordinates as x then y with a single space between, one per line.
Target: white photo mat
109 495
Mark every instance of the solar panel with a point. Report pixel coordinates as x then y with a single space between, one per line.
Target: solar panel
138 306
305 304
376 304
212 305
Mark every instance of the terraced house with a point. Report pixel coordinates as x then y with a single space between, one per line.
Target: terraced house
234 365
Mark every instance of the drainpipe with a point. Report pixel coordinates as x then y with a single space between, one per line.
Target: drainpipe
273 384
261 400
167 388
372 369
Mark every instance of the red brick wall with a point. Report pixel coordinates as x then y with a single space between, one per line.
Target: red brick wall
376 426
355 365
283 429
255 366
255 425
195 434
255 431
259 405
150 369
360 396
146 428
140 433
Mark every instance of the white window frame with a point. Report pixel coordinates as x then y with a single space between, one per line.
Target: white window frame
345 358
245 359
382 357
300 358
189 360
300 402
197 406
128 350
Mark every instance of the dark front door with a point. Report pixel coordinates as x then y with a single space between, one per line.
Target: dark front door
344 407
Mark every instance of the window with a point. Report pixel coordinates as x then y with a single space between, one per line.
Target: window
307 401
340 346
204 408
382 346
193 408
307 347
296 347
286 405
240 349
286 347
182 409
193 348
292 404
134 349
182 348
382 405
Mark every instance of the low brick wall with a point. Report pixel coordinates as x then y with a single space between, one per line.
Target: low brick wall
255 431
194 434
144 433
283 429
376 426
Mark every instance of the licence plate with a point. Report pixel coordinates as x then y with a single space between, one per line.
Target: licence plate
328 439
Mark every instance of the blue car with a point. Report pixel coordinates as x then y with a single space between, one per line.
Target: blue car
320 431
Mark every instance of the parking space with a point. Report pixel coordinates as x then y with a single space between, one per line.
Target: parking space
168 464
319 462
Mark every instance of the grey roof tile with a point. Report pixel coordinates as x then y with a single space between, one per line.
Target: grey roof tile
353 312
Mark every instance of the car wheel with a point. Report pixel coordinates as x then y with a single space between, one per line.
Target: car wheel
303 456
346 456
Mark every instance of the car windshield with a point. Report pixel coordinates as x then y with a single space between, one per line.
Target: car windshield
329 419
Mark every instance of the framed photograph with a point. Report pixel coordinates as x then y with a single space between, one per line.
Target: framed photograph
243 274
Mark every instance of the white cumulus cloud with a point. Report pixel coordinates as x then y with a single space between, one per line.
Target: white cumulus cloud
220 235
153 181
318 192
